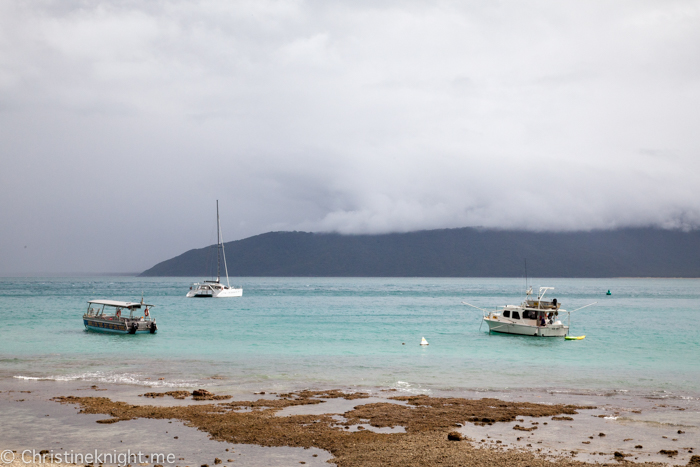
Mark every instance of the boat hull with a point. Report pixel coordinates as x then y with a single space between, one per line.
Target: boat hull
118 327
229 293
507 327
224 293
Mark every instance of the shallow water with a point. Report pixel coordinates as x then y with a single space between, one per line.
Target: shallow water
287 333
358 334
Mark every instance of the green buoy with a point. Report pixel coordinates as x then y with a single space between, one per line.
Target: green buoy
608 293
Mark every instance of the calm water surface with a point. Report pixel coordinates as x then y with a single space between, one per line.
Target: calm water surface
288 333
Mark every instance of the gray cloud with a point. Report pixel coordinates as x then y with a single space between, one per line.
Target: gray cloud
122 122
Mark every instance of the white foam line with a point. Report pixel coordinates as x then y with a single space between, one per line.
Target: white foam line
122 378
403 386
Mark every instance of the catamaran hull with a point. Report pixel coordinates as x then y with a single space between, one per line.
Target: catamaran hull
229 293
551 330
225 293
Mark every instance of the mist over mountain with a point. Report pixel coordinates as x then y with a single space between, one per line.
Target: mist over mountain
462 252
354 117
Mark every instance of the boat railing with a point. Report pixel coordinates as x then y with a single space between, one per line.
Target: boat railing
120 318
542 304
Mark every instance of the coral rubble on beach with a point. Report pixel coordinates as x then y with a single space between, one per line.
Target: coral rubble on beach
429 423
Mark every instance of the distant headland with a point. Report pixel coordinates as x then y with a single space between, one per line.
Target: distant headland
461 252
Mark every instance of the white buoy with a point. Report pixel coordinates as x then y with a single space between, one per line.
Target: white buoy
423 341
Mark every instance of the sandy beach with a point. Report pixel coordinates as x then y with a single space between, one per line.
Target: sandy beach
336 427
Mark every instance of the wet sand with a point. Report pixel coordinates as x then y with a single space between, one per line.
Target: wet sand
345 429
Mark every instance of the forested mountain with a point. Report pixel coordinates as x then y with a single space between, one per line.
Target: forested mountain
464 252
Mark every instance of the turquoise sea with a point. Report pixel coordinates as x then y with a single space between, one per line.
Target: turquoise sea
290 333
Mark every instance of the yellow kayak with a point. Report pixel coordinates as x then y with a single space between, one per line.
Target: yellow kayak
574 338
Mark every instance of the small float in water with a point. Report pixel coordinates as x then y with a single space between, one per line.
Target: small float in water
533 317
118 317
574 338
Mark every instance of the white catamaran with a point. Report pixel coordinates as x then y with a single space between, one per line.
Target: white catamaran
215 289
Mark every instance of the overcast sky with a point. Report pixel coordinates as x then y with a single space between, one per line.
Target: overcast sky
121 123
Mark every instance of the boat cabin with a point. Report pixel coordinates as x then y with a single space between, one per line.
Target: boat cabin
532 317
208 289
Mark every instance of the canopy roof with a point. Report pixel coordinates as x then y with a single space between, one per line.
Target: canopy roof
119 304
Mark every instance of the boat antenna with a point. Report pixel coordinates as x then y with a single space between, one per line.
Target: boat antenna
525 276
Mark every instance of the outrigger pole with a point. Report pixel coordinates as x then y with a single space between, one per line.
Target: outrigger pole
569 312
586 306
485 311
469 304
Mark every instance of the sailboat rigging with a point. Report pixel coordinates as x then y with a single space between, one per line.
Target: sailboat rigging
215 289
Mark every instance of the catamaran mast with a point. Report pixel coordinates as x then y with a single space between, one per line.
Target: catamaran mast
218 243
221 247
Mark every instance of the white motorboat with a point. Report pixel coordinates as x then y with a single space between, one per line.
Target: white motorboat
106 316
534 317
214 288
